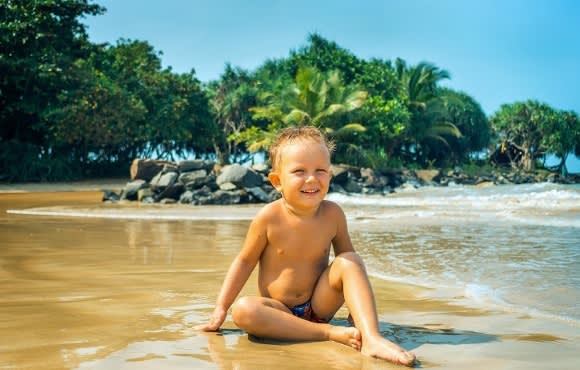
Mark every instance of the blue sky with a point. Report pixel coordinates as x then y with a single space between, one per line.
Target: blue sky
497 51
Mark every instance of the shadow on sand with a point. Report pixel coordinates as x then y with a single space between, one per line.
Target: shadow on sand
232 346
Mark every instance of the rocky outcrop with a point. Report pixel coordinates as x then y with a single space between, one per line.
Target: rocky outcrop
195 182
200 182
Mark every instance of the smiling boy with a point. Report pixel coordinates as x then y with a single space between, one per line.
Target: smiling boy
299 291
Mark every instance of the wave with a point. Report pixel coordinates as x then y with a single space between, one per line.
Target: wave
166 213
538 204
477 296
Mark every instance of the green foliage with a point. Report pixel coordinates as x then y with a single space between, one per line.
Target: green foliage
315 98
537 129
464 113
40 42
69 108
326 56
432 126
522 125
231 98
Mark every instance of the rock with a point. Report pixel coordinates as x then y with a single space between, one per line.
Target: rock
162 180
339 174
192 176
242 177
195 165
110 196
130 190
228 186
220 197
143 193
186 197
352 186
173 191
196 179
428 176
258 193
146 169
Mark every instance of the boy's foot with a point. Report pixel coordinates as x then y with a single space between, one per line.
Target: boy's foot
384 349
348 336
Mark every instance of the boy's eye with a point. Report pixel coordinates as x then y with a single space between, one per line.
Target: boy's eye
298 171
321 170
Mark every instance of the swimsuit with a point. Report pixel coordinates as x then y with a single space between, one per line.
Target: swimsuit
305 312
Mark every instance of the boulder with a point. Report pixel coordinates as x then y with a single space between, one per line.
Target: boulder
131 189
259 194
162 180
339 174
146 169
195 165
242 177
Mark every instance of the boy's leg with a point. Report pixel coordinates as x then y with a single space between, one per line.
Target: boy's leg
268 318
347 276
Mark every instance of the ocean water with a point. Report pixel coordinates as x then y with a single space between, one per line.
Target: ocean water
505 248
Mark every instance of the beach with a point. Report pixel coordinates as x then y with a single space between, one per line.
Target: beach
463 277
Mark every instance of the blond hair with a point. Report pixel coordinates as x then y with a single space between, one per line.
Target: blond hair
291 135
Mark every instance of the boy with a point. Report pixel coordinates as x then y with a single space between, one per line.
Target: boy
299 292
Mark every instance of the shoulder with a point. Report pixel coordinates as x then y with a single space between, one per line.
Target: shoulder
269 213
329 207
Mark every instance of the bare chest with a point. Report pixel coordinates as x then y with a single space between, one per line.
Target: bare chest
300 242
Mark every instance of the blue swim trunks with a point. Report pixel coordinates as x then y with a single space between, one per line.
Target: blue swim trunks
305 312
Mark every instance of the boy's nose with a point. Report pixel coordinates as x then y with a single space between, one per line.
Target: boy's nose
310 178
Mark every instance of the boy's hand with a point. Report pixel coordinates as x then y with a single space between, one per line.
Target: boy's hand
217 319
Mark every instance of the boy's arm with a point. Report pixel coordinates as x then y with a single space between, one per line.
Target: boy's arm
341 241
238 273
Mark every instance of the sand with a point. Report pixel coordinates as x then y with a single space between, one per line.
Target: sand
102 293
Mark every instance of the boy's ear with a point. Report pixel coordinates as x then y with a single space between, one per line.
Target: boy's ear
275 180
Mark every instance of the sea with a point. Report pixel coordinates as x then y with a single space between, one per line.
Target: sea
513 248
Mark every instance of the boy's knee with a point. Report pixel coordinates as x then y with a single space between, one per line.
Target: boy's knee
242 311
349 258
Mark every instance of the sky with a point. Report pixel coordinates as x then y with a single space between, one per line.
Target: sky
497 51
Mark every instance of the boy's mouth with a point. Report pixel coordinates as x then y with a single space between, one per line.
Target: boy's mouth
312 191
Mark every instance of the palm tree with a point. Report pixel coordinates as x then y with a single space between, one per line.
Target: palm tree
315 98
429 123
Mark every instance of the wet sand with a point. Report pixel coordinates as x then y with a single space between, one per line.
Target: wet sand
100 293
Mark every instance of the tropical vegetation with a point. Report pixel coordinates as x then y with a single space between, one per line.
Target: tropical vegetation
70 108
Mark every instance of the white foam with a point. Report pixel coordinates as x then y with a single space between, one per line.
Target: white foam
130 214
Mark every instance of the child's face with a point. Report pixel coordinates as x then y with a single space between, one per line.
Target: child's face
303 174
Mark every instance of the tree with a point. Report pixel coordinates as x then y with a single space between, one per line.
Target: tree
384 113
561 137
40 41
326 56
231 97
315 98
429 126
524 126
465 113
